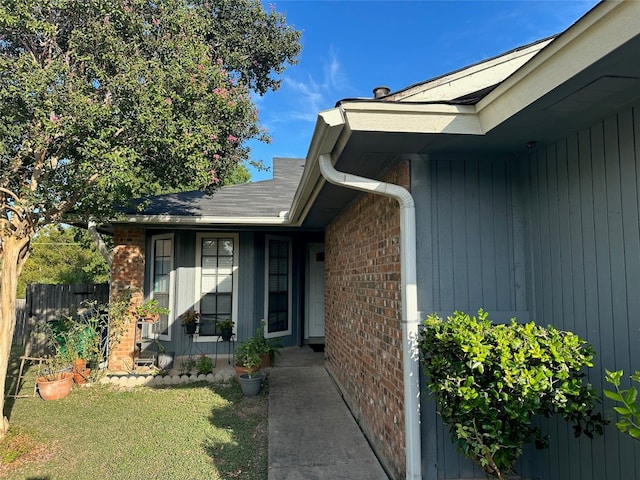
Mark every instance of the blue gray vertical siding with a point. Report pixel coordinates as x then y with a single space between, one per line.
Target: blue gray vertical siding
184 285
553 237
466 219
250 251
471 256
583 210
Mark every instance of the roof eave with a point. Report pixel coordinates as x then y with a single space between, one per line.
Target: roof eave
569 53
186 220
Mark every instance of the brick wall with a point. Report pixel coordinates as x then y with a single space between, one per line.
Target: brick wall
363 318
127 272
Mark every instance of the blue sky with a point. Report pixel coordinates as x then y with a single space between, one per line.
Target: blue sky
350 47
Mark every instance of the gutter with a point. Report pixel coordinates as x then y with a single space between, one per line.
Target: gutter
410 318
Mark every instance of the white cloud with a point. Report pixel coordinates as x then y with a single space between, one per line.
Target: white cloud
303 99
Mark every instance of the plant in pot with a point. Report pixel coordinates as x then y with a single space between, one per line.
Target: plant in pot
150 311
225 327
251 381
190 320
490 381
267 348
79 343
242 352
54 378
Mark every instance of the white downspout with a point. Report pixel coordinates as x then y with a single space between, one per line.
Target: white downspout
410 319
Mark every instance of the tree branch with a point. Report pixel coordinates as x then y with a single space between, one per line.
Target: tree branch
10 193
37 169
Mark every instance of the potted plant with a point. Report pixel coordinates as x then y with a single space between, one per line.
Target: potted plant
225 327
55 379
190 320
251 381
242 352
150 311
78 343
267 348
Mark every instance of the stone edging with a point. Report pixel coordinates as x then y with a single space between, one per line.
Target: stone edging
158 380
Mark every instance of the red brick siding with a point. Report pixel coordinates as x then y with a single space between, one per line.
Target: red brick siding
127 272
363 314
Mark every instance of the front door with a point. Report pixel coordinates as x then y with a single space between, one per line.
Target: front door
314 310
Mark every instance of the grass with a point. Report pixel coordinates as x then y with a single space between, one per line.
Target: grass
188 431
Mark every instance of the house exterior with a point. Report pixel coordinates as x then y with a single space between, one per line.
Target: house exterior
511 185
242 262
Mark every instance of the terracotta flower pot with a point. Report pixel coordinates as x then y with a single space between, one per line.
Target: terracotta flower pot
79 364
151 318
266 361
55 389
240 370
81 377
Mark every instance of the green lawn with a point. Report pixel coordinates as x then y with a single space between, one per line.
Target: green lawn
190 431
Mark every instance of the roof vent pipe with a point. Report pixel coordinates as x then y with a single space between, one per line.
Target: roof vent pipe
380 92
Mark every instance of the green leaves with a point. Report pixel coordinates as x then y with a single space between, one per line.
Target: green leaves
104 100
629 410
491 380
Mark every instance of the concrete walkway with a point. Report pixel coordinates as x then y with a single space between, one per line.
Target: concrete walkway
312 434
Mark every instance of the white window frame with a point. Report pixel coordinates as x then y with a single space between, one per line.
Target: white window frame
198 282
171 315
281 333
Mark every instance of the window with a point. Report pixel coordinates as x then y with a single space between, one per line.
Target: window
162 278
216 283
278 290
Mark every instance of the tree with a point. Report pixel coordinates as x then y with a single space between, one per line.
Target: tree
62 255
105 100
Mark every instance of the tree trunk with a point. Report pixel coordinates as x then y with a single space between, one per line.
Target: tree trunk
12 261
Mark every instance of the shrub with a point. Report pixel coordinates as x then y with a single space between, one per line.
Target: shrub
491 380
204 364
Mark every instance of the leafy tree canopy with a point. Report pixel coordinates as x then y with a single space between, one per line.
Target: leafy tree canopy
62 255
104 100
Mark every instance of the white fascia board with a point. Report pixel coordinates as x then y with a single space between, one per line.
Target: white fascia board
205 220
329 127
334 126
397 117
471 79
603 29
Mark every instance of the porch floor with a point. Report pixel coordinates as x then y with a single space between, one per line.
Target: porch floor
312 433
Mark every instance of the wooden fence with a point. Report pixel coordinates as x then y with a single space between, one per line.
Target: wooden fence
21 321
51 302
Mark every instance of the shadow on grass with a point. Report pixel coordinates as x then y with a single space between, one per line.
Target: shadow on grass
244 453
240 451
12 379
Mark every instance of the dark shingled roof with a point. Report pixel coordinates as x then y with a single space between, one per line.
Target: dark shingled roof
267 198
